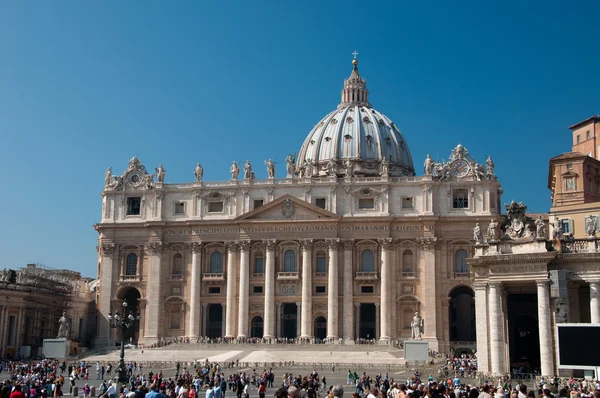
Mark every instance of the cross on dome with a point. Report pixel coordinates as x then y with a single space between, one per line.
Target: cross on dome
355 54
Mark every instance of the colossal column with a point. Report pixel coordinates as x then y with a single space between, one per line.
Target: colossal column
595 302
545 326
230 302
496 328
481 327
430 300
153 319
306 317
385 290
194 326
348 301
244 298
204 318
106 278
269 321
332 290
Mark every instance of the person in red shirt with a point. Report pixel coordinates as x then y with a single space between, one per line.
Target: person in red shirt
17 393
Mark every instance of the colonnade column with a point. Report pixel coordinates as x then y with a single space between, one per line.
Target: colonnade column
357 324
269 321
545 327
306 314
230 301
298 312
377 322
154 286
204 318
595 302
348 301
496 328
106 279
278 320
481 327
385 289
194 326
244 306
332 290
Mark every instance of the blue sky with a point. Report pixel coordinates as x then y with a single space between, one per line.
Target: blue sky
85 85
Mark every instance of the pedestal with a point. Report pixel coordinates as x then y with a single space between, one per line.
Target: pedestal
56 348
416 351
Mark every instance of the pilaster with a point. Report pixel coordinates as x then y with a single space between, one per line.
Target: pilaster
385 290
155 248
348 301
306 315
332 290
244 296
194 325
230 301
429 307
107 253
269 321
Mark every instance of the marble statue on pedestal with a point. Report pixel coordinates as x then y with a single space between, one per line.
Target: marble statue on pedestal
248 173
540 228
270 168
489 164
477 235
590 226
65 326
385 167
289 166
108 177
160 173
308 168
198 172
417 326
491 231
234 170
428 165
349 168
331 167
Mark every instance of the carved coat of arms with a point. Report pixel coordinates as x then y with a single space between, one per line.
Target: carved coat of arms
287 208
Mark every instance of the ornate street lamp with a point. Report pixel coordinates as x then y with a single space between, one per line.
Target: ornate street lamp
123 322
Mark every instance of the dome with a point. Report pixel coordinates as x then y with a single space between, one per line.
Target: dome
355 140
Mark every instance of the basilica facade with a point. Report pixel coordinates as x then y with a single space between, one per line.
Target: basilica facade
349 245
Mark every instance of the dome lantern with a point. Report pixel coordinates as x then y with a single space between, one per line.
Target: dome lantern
355 88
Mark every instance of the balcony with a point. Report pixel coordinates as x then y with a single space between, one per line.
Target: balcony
409 275
366 276
258 275
213 277
320 274
288 276
585 245
462 275
131 278
176 277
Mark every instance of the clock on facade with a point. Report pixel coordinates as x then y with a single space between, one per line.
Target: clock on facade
134 178
460 168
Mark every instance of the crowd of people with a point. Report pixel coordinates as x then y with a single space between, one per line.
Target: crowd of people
258 340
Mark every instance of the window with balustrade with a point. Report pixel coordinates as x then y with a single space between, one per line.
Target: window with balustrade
131 264
216 263
367 263
289 261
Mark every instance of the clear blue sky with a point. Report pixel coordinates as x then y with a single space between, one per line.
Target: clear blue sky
88 84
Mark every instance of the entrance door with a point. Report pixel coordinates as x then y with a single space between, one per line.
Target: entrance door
524 347
214 322
320 328
366 327
132 297
256 327
289 320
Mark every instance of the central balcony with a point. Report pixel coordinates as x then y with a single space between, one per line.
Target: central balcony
288 276
213 277
366 276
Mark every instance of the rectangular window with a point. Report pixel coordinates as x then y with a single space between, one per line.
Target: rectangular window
578 139
407 203
258 203
492 200
257 289
321 202
179 207
587 135
214 290
565 225
321 264
133 206
215 207
259 265
460 199
366 204
320 289
569 166
367 289
175 320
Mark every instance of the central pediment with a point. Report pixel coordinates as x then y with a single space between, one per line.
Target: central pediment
288 208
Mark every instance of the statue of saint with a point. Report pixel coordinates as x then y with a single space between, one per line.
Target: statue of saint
198 172
428 165
331 167
489 164
540 227
477 234
289 166
491 232
556 228
418 326
308 168
349 168
108 177
65 326
385 167
270 168
234 170
248 171
590 226
160 173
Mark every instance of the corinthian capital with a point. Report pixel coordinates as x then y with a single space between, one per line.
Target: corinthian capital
386 243
231 245
154 247
196 246
333 244
270 244
348 244
244 245
306 244
428 242
107 248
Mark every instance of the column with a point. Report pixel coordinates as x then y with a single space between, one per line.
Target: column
357 323
298 323
496 328
107 250
332 290
429 306
153 320
230 301
481 327
244 306
377 321
278 319
306 317
545 326
269 321
385 289
595 302
194 326
224 321
348 301
204 318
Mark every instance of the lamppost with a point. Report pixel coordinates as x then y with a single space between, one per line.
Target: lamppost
123 322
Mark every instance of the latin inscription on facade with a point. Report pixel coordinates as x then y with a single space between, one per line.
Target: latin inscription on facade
289 289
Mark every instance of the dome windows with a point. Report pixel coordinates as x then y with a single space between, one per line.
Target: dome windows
348 137
333 121
366 120
349 119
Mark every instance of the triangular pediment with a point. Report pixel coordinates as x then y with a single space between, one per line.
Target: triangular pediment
288 208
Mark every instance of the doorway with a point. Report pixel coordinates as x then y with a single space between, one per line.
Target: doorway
367 324
214 321
256 327
320 328
289 321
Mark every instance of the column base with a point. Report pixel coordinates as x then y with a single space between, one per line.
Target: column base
241 336
434 343
349 341
151 340
384 340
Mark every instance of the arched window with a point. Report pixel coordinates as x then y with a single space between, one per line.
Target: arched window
289 261
407 261
366 261
131 265
177 265
216 263
321 262
460 261
259 264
